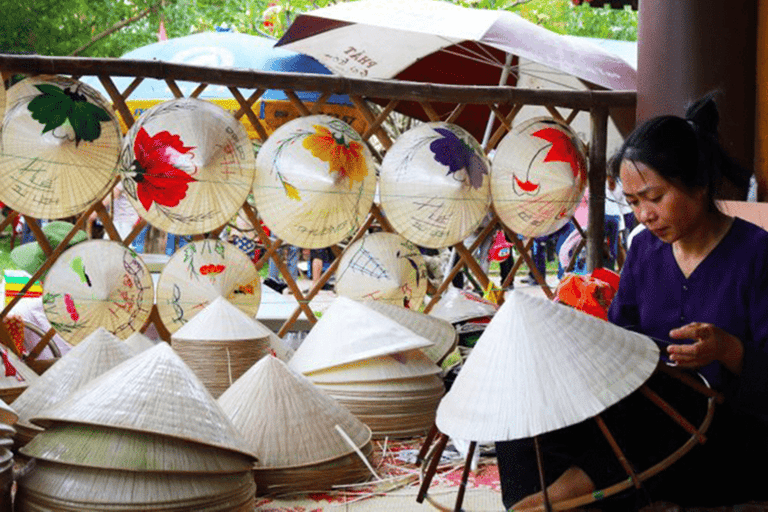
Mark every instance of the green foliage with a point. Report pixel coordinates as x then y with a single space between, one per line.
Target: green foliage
60 27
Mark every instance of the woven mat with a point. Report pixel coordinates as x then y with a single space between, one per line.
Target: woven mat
399 486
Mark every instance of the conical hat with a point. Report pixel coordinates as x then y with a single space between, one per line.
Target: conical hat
97 283
428 386
434 183
187 166
288 421
539 176
152 392
402 365
458 305
109 448
7 414
138 342
201 271
349 331
383 266
54 165
541 366
97 353
15 376
441 333
315 180
220 320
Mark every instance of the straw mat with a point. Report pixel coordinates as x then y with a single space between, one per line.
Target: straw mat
97 353
8 415
48 168
540 366
187 166
15 376
383 267
350 331
440 332
108 448
201 271
287 421
402 365
97 283
539 176
138 342
152 392
52 486
434 184
315 181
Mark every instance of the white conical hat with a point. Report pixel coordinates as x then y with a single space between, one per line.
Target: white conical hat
97 283
138 342
7 414
440 332
458 305
402 365
349 331
220 320
110 448
187 166
151 392
201 271
97 353
383 266
48 168
539 175
287 420
315 180
540 366
434 183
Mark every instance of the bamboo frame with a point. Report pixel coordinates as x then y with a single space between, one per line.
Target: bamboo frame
386 92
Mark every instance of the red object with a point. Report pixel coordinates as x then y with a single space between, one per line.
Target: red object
161 33
589 293
10 370
157 180
501 249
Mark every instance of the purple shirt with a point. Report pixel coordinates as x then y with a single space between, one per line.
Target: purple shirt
729 289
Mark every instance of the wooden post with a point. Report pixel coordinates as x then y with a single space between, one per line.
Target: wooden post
597 148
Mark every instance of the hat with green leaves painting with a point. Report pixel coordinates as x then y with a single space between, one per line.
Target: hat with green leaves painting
30 256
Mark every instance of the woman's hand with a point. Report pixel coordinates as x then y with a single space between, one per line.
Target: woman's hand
711 344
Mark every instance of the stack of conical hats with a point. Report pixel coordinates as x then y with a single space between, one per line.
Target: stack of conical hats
7 419
146 435
15 376
98 352
220 343
374 367
305 440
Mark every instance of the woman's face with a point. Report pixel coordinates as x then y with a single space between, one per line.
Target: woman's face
669 211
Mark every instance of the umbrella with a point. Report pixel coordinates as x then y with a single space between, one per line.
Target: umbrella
438 42
233 50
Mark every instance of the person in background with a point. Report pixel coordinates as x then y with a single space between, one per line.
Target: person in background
696 282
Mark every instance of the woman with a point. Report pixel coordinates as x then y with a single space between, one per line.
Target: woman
696 281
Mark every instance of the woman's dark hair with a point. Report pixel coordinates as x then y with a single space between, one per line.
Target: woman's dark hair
685 151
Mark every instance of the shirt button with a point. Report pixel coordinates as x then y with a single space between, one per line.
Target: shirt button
685 287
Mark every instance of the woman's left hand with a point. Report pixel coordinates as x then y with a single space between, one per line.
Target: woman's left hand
711 344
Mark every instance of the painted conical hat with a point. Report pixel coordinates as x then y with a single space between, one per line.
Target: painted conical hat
60 147
187 166
7 414
383 266
287 420
137 342
349 331
440 332
97 283
15 376
97 353
152 392
434 183
402 365
539 176
201 271
540 366
315 180
109 448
